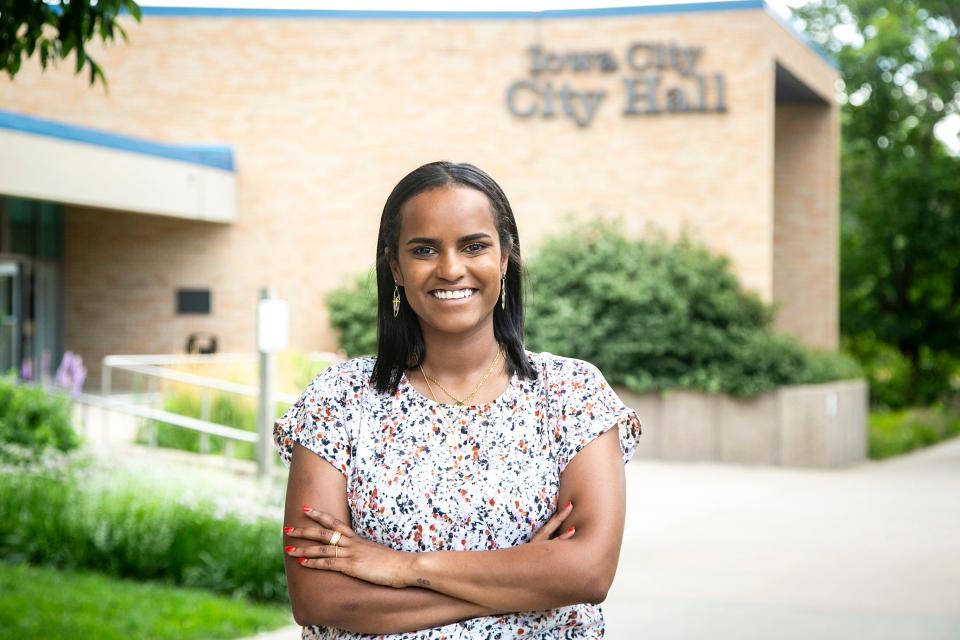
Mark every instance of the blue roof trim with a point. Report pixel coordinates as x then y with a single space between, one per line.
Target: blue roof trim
804 38
352 14
216 156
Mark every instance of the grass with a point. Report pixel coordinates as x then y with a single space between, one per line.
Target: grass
48 603
130 527
896 432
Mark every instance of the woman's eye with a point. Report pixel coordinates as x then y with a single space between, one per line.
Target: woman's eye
473 247
423 251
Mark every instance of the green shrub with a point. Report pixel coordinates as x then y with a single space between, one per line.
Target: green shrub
304 369
225 409
651 314
895 383
128 528
896 432
34 420
353 314
656 315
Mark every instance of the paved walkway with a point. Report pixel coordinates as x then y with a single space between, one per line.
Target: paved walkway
722 551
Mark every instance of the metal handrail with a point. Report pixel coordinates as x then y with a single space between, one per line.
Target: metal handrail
167 417
147 365
200 381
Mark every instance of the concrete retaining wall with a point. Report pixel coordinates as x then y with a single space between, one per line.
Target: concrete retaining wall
817 425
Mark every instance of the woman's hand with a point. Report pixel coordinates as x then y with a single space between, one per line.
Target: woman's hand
545 532
353 556
375 563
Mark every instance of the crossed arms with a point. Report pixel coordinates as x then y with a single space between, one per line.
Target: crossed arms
430 589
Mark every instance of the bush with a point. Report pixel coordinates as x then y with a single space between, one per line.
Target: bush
33 420
895 432
656 315
652 315
353 314
896 383
72 518
225 409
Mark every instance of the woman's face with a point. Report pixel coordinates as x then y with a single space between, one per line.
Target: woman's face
449 260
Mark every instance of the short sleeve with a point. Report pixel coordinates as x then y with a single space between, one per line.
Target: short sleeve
320 418
588 408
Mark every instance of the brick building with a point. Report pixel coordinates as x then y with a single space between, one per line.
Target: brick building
238 149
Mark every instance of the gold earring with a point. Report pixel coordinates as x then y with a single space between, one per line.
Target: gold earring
396 299
503 291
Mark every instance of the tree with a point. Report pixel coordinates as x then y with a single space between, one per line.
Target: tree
54 31
900 198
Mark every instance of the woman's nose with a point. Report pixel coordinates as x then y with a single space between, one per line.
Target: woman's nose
450 266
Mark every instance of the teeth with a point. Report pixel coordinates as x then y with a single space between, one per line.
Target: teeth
453 295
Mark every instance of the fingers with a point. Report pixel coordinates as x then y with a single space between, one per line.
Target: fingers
328 521
316 551
551 526
317 534
326 533
329 564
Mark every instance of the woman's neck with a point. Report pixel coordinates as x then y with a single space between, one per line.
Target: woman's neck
459 357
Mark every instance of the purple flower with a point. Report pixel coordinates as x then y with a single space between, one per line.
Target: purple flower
71 373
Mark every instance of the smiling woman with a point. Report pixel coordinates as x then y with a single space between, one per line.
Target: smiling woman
451 265
425 484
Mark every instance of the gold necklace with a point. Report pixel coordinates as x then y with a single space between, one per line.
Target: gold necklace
469 399
451 439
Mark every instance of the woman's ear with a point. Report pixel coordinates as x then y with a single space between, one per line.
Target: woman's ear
395 270
505 258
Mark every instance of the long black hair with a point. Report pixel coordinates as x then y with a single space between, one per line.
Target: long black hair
400 342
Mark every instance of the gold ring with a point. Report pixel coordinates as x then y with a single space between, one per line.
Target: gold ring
335 538
336 552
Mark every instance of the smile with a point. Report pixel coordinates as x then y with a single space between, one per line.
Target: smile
443 294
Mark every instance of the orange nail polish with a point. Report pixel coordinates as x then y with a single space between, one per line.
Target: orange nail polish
287 529
567 506
289 549
571 529
306 509
301 560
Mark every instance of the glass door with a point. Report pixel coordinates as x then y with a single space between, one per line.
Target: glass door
10 315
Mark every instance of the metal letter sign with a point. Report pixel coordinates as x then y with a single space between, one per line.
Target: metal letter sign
662 79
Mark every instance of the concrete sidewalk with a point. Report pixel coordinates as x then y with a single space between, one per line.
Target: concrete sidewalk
721 551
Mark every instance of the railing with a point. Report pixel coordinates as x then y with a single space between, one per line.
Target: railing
155 369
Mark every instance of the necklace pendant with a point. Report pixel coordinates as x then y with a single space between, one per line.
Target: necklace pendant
459 403
451 439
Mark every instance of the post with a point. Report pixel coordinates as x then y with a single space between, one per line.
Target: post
272 331
205 416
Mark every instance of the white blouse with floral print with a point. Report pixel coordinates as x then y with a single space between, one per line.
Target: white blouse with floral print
408 489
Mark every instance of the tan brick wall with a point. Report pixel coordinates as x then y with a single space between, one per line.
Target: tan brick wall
326 115
806 265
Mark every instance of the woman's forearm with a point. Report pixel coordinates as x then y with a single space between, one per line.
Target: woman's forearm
528 577
358 606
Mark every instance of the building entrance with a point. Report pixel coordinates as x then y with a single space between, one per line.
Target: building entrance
9 316
31 296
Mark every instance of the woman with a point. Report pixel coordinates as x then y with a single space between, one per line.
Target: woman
424 485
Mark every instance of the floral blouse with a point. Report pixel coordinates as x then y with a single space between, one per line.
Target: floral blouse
423 476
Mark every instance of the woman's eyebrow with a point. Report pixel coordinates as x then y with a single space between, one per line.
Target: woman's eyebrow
468 238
